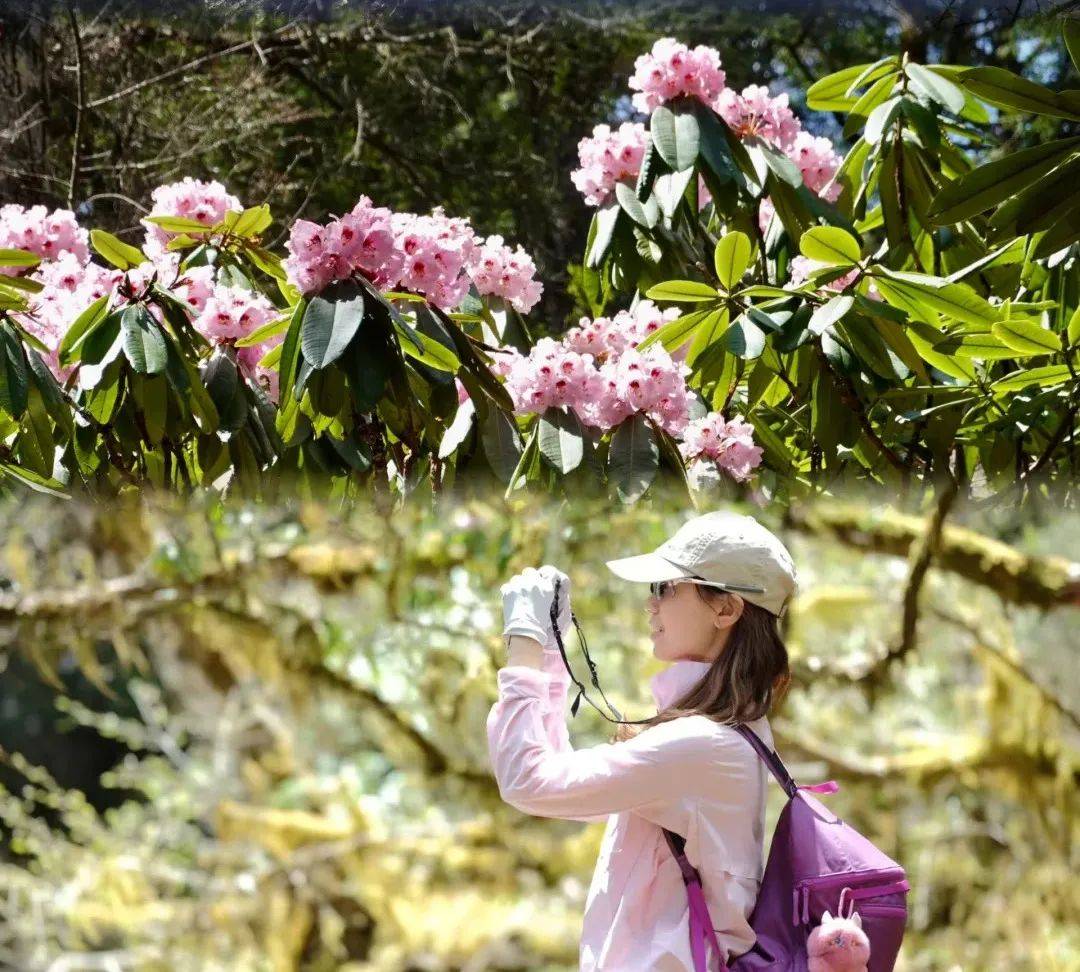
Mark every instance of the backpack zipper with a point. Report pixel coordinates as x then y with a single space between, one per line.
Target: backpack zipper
850 879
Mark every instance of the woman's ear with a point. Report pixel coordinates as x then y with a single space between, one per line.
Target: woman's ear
731 609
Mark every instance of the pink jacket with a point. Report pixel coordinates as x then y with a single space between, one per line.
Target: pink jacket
691 775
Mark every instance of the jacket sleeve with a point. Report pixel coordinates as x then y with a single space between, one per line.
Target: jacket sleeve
554 709
644 774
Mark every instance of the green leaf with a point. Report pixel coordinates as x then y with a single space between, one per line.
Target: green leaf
744 338
222 382
880 119
935 87
1027 336
669 188
144 344
676 135
830 92
731 258
560 439
715 148
1073 330
458 429
290 351
18 258
269 263
13 373
424 348
645 214
829 313
996 181
684 291
83 325
56 403
956 300
1008 90
830 245
250 222
674 334
152 394
1070 31
41 484
1046 377
330 322
601 232
1037 207
871 74
117 252
875 95
178 224
270 329
633 457
774 161
501 441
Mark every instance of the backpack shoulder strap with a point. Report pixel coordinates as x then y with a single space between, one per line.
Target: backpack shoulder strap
769 757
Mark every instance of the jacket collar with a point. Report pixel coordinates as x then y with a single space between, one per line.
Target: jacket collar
672 682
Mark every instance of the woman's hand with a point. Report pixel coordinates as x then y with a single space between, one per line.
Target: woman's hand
527 599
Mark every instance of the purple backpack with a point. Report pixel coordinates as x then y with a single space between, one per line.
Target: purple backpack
816 863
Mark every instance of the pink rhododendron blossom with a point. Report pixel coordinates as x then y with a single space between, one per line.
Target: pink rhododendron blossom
436 252
604 336
755 112
549 375
230 313
363 239
506 273
672 69
48 234
818 162
729 444
204 202
609 156
70 286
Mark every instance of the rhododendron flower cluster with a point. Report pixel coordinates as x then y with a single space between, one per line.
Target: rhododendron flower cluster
204 202
818 162
672 69
609 156
70 286
436 255
598 372
648 381
612 335
756 112
47 234
730 444
230 313
362 239
501 272
437 251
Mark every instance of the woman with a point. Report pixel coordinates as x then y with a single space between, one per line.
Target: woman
717 589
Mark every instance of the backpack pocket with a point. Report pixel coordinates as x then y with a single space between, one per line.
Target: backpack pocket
878 897
811 897
884 926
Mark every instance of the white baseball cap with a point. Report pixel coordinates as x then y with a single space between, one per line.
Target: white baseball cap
730 550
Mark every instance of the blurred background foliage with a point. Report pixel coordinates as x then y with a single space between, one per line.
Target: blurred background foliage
252 737
474 106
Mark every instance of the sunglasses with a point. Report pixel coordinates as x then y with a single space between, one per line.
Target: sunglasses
660 589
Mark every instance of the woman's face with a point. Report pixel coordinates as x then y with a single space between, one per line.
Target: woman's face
686 625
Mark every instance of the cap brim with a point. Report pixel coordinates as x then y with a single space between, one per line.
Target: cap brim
646 568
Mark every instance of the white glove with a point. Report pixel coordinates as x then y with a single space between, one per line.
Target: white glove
527 601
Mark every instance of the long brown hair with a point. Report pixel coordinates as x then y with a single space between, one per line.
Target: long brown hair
747 678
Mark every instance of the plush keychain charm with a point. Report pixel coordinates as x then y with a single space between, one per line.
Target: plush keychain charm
838 945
